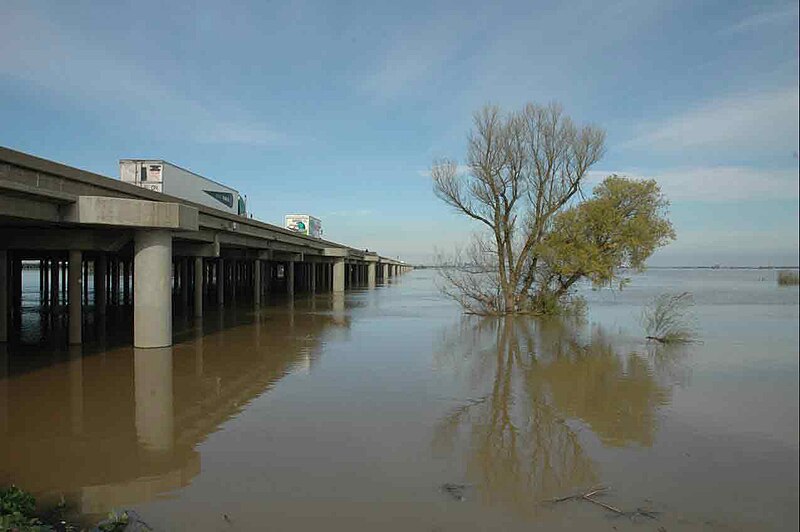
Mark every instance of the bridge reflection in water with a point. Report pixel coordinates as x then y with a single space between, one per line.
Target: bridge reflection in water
108 427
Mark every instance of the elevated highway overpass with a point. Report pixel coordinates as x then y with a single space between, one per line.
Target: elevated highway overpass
137 247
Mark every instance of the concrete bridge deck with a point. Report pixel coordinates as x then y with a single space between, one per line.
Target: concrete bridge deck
151 250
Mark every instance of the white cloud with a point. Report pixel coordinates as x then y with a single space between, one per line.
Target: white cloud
785 15
742 123
37 51
717 183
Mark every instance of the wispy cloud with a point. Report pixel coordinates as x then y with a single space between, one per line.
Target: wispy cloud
717 183
415 56
37 51
741 122
351 213
245 134
461 169
786 14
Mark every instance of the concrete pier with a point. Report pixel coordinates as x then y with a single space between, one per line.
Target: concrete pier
4 300
75 297
220 278
152 304
338 275
257 283
100 264
289 274
198 287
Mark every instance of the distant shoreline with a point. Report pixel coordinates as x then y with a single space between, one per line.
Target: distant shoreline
723 267
422 266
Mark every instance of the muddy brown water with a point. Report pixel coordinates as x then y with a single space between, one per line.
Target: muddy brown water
389 410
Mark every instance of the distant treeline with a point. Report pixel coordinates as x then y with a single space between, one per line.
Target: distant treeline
787 278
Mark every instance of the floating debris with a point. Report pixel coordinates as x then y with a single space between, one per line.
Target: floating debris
456 491
589 496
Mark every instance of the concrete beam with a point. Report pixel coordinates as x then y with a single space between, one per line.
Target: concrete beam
335 252
18 188
182 248
29 209
280 256
102 210
58 239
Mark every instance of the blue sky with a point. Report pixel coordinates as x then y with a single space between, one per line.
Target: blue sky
338 108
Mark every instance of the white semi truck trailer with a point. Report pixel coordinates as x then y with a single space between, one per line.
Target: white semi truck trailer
303 223
165 177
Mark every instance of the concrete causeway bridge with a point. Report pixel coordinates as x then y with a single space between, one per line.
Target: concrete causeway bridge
146 249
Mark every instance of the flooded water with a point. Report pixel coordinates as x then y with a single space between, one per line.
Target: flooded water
389 410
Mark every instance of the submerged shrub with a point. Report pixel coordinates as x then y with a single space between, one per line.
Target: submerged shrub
787 278
668 318
17 509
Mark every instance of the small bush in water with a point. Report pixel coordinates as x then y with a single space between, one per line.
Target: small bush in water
788 278
17 511
668 318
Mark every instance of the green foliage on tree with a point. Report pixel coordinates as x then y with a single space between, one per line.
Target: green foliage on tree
620 226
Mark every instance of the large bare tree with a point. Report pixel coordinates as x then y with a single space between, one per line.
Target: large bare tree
524 168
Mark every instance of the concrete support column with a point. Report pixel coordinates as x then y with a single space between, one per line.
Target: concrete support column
53 283
290 278
126 281
184 284
152 374
198 287
74 297
220 281
46 281
100 284
4 299
257 283
16 293
115 280
371 274
152 301
313 280
338 275
234 279
63 286
85 286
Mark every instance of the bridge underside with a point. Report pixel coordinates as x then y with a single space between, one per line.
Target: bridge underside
96 242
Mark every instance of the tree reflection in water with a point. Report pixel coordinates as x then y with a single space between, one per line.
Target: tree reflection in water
540 386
